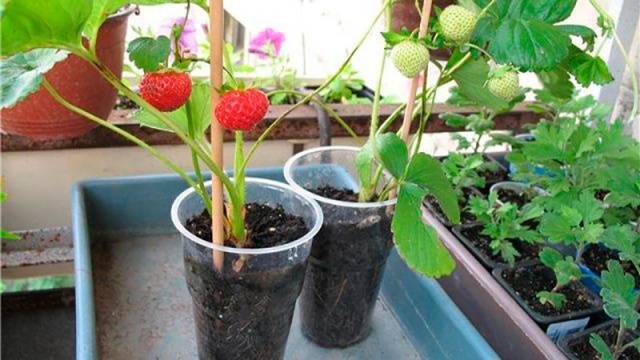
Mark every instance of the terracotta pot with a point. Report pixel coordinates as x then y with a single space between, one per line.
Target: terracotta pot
406 15
40 117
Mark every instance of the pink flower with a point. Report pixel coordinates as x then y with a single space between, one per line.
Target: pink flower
267 43
188 41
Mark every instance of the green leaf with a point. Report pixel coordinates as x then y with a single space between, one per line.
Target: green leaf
455 120
619 295
417 243
31 24
590 70
587 35
392 153
589 207
550 257
567 271
427 173
471 78
200 109
556 228
557 82
598 343
6 235
22 74
394 38
148 53
522 32
555 299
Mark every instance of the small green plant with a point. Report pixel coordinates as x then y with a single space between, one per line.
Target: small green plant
626 241
504 222
463 171
566 272
620 299
573 219
345 88
6 235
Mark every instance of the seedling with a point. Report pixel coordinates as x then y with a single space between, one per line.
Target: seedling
566 272
620 299
503 223
345 88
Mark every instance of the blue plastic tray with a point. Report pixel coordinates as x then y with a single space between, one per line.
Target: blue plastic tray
132 302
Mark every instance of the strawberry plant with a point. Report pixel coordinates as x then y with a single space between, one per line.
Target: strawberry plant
504 223
37 34
620 299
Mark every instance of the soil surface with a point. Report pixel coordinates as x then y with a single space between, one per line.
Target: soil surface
466 217
346 265
266 226
492 177
581 348
596 257
514 197
124 103
244 310
528 281
481 243
601 194
332 193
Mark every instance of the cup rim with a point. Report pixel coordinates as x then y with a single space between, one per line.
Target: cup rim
517 184
249 251
288 170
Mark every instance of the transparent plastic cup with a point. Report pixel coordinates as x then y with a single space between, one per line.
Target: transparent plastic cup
349 253
244 309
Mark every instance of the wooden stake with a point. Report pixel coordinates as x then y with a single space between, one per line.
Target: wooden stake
408 113
216 37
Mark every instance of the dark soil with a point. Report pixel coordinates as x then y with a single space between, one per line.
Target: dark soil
492 177
466 217
515 197
596 257
124 103
245 310
332 193
581 348
266 226
601 194
481 243
528 281
346 265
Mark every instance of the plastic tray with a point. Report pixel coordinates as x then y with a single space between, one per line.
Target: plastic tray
132 302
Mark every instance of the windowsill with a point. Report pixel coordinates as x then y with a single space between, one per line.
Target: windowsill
300 124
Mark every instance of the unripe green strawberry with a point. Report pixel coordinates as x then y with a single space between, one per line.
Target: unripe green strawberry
457 23
410 57
506 85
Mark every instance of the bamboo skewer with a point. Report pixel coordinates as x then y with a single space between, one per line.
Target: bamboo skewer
408 113
216 37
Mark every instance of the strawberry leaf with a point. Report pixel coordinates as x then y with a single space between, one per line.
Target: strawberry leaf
392 153
426 172
471 78
523 32
417 243
22 74
148 53
31 24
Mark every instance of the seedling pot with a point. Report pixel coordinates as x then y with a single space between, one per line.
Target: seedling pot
547 320
349 254
243 306
517 187
572 340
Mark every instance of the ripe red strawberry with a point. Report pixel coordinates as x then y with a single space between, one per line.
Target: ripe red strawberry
166 90
241 109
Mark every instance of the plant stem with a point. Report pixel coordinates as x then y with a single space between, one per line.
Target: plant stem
194 158
618 345
237 220
154 152
311 95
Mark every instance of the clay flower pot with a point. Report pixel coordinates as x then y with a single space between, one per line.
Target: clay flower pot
40 117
